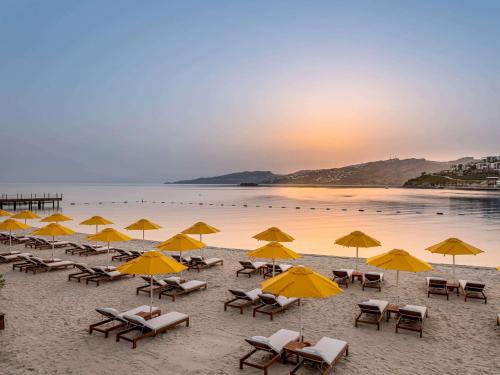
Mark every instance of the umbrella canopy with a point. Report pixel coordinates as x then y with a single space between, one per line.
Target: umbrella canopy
301 282
143 224
454 246
25 215
5 213
399 260
53 230
498 268
96 220
109 235
180 242
56 218
200 228
274 250
12 225
151 263
273 234
357 239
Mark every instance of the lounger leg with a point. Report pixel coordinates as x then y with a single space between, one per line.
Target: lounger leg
299 364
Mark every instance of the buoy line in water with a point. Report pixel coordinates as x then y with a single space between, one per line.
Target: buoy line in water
245 205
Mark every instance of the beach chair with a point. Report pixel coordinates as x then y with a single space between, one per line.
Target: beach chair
278 268
176 288
32 242
42 265
371 312
411 317
273 345
373 280
437 285
114 316
241 299
187 261
342 276
159 284
200 263
105 274
28 261
152 327
473 289
84 273
8 258
15 240
75 248
91 250
325 354
250 268
13 252
123 255
271 305
42 243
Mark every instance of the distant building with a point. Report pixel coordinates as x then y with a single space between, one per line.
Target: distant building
480 166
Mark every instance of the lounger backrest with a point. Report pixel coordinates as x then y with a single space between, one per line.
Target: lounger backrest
268 299
172 282
39 261
26 258
260 342
340 274
437 283
108 312
247 264
83 267
474 286
238 293
410 314
372 276
369 308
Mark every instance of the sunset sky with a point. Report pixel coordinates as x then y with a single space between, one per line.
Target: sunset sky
163 90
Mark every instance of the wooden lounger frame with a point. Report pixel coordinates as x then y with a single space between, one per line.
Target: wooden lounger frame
439 287
239 303
258 346
149 333
106 330
411 321
325 368
249 270
370 314
47 268
272 309
371 281
174 291
199 265
474 291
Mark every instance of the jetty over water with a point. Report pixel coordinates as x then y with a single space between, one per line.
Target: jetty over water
30 200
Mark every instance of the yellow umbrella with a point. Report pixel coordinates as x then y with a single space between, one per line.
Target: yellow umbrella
151 263
96 220
398 260
56 218
5 213
109 235
301 282
454 246
273 234
53 229
498 268
12 225
180 242
357 239
26 215
143 224
274 250
200 228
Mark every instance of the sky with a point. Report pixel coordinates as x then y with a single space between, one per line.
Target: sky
103 90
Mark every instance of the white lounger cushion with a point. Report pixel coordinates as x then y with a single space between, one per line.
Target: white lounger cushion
258 265
15 256
61 263
427 279
140 309
104 268
254 294
14 252
285 267
283 301
326 348
382 305
281 338
160 321
191 284
349 271
211 261
420 309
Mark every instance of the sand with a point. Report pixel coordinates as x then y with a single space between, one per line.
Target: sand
47 319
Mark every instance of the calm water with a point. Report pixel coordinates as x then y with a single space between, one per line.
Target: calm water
400 218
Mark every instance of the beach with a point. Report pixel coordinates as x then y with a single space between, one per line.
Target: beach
47 321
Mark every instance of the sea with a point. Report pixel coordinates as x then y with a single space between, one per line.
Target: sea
410 219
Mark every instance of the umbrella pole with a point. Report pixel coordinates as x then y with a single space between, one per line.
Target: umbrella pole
143 240
151 295
357 249
107 257
10 241
300 322
274 267
201 248
397 287
53 239
453 266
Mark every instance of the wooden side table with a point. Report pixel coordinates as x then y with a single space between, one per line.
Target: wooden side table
452 285
147 315
391 309
290 354
356 275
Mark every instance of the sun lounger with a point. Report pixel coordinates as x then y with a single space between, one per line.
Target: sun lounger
325 354
123 255
14 240
343 276
373 280
176 288
42 265
372 312
91 250
13 252
159 284
200 263
114 316
187 261
242 299
28 261
40 243
437 285
85 272
271 304
105 274
473 289
273 345
7 258
75 248
250 268
278 268
411 317
151 327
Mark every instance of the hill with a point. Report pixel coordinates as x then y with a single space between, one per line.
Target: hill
392 172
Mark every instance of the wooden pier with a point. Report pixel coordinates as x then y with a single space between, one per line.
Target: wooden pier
30 200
